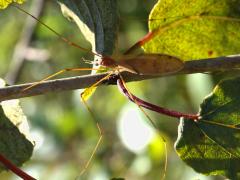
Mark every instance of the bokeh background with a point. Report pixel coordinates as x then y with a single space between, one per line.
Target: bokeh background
64 131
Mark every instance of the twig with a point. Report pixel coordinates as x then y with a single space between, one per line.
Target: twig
229 63
9 165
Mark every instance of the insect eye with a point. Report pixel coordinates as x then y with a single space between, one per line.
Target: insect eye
97 62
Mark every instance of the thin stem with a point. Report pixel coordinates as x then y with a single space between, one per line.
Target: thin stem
9 165
154 107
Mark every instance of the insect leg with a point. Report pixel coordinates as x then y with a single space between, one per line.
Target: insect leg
56 74
84 95
99 139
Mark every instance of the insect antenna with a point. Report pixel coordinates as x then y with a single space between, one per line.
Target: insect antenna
64 39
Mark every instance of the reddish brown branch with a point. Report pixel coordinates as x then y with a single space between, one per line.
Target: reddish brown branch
9 165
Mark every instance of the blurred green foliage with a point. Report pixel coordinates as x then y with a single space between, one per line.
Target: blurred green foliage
63 129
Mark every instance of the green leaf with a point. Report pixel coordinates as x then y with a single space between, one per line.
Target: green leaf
4 3
212 145
97 19
15 141
195 29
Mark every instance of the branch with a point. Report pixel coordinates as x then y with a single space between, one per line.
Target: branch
80 82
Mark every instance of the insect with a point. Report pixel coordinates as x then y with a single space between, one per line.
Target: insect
143 64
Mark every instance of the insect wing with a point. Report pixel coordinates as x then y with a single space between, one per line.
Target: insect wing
152 64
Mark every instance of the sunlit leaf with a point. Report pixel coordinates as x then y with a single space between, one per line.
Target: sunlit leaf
4 3
15 142
212 145
195 29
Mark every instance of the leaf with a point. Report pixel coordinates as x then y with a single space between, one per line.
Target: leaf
195 29
212 145
4 3
98 21
88 92
15 142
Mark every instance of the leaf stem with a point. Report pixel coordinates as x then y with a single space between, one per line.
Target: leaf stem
153 107
9 165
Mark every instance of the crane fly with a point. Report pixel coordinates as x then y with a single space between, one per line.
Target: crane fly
142 64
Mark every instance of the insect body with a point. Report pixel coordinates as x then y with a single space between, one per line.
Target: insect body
145 64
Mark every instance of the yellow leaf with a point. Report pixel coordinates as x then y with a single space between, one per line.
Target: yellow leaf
4 3
88 92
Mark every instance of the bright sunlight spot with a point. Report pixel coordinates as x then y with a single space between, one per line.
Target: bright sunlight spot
134 131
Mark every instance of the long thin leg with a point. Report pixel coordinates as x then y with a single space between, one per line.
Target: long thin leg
151 121
88 91
85 103
99 139
83 95
58 73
